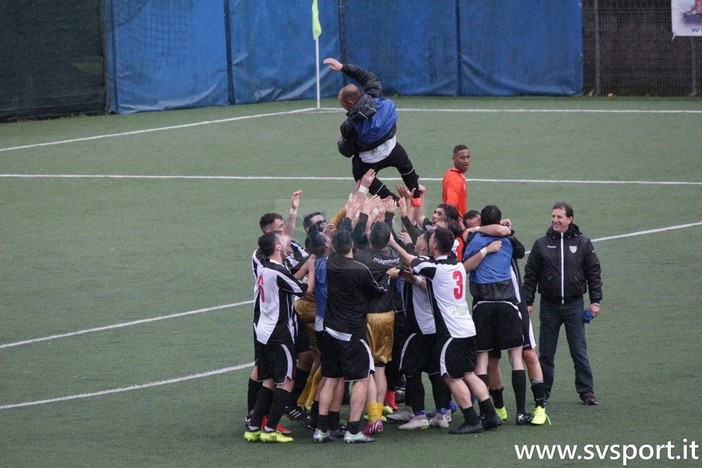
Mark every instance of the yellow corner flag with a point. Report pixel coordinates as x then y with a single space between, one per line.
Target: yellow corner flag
316 27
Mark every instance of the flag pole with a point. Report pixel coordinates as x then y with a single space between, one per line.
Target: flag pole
316 43
316 31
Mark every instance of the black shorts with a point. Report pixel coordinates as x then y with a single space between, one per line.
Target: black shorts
350 359
257 351
276 361
420 354
457 356
319 337
257 348
498 324
527 328
527 331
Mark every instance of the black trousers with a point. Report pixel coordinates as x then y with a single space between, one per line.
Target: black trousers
398 159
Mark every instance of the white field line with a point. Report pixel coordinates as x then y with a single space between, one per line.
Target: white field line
122 325
150 130
226 369
130 388
649 231
315 178
327 109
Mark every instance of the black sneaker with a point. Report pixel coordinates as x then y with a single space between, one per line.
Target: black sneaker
247 420
466 428
400 395
295 413
339 432
490 421
310 422
589 399
524 419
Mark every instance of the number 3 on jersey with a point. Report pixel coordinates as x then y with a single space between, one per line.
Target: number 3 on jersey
458 290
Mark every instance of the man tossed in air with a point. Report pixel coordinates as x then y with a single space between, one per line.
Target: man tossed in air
368 133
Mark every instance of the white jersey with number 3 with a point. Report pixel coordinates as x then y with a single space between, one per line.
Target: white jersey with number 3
446 285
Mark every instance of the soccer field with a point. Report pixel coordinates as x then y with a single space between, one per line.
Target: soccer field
125 287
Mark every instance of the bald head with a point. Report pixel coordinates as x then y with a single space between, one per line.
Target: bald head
348 95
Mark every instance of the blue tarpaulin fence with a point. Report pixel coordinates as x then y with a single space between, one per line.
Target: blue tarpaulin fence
167 54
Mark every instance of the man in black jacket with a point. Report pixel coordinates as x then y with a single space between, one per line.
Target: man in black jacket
346 354
368 133
564 266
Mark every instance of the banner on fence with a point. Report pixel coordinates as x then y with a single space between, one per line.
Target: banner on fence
686 17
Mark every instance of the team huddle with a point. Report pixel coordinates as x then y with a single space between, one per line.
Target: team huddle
361 307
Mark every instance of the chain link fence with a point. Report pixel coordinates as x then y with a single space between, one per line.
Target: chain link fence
629 49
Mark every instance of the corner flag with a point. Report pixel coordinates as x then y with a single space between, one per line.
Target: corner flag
316 27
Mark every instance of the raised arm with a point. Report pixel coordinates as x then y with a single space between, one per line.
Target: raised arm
406 257
289 228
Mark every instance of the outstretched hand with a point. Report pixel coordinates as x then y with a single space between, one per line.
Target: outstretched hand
334 64
368 178
405 237
389 205
295 199
352 207
371 204
403 191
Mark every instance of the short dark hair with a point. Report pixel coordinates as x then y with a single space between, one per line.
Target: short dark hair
443 238
267 242
450 211
342 242
379 234
491 214
455 228
268 219
458 148
307 221
470 215
565 207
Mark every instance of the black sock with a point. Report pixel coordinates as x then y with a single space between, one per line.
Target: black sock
497 397
470 416
262 406
323 422
281 398
354 427
486 407
314 413
300 382
537 388
519 386
254 387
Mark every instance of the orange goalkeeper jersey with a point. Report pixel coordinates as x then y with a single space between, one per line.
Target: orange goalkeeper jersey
454 190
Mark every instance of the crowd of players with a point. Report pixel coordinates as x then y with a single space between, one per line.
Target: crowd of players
360 303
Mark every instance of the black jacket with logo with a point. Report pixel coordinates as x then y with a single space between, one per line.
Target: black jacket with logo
563 267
